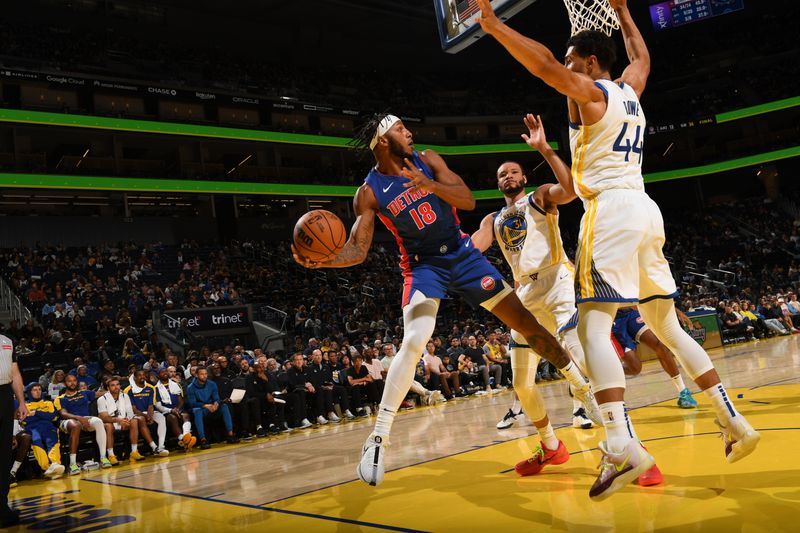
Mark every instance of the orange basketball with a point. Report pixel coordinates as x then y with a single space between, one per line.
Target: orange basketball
319 235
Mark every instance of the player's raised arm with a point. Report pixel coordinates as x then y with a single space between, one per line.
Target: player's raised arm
483 238
448 185
551 194
538 59
355 249
637 72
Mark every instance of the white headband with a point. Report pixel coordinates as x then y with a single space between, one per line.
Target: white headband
383 126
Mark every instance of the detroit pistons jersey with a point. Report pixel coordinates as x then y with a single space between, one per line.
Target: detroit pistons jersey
421 222
608 154
528 237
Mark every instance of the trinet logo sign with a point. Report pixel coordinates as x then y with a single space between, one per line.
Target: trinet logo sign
223 318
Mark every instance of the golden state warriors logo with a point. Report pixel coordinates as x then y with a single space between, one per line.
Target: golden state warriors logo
512 230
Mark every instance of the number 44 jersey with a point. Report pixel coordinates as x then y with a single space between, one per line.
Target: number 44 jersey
608 154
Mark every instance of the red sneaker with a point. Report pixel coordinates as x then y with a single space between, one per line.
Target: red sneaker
541 458
651 477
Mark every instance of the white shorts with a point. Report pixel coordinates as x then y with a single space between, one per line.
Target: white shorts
619 257
65 429
550 296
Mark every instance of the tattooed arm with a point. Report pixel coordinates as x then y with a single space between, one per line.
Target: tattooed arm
365 205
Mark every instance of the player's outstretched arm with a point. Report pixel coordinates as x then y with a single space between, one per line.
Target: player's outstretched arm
448 185
550 194
637 72
483 238
354 252
538 59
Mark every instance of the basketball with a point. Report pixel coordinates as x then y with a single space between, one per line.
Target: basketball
319 235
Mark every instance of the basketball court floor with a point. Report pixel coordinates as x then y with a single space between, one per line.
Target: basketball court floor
452 470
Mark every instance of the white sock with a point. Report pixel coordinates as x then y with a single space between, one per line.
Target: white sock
153 445
618 429
384 420
548 437
719 400
134 448
73 458
573 374
110 452
516 408
15 466
187 428
678 382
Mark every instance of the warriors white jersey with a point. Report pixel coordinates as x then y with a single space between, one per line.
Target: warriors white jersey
608 154
529 237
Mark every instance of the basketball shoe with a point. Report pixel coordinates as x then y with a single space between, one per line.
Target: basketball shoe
370 469
619 469
541 458
739 437
586 397
686 400
509 419
579 419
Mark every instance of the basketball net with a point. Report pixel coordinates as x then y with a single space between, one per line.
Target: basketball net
591 15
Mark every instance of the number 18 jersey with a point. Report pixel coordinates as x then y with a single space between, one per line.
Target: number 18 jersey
608 154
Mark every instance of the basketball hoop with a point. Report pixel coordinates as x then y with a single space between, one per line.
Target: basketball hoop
591 15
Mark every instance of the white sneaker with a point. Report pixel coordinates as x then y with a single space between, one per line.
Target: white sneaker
619 469
586 397
321 420
280 401
508 420
54 471
481 393
368 409
579 419
333 418
162 452
428 398
370 469
305 424
437 396
348 415
739 437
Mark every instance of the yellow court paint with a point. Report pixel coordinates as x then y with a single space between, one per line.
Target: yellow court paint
471 491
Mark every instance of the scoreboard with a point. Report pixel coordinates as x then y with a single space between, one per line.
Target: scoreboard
679 12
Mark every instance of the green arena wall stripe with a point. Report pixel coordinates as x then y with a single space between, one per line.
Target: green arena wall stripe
758 109
50 181
193 130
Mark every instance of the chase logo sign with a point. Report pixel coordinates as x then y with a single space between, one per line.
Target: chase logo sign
53 513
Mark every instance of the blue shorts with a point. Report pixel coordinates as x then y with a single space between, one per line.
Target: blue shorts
464 272
628 325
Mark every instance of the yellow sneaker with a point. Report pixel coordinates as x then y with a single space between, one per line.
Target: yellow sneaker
113 460
136 456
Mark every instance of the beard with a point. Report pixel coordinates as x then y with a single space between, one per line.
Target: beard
398 150
513 190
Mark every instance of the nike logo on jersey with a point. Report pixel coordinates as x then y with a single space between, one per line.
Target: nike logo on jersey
389 187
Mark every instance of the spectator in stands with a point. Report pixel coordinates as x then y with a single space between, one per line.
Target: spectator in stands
57 384
299 387
375 367
770 323
254 399
73 406
170 403
362 389
47 377
495 355
734 324
274 406
321 378
439 376
203 398
472 362
143 400
82 373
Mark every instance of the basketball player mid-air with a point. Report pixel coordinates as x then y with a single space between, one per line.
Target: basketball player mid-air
415 195
527 232
619 258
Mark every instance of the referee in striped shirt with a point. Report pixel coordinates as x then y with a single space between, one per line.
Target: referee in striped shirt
10 381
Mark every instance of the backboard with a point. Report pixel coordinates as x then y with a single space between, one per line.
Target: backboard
456 20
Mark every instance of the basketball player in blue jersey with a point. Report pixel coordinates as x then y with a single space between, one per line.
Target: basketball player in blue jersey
415 195
620 258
